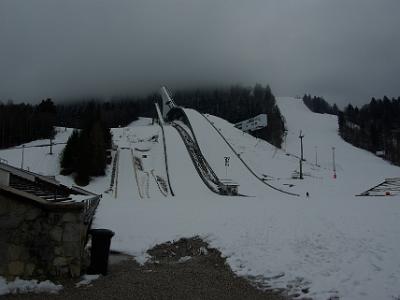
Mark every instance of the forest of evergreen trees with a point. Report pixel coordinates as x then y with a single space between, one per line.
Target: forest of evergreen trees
238 103
21 123
319 105
235 103
115 113
374 127
85 154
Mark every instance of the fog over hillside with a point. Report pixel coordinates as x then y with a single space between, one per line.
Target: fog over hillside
341 50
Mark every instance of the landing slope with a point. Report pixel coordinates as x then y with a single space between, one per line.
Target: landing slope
215 150
184 178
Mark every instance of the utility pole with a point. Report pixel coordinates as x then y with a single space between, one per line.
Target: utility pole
333 162
51 146
226 165
301 136
22 158
316 156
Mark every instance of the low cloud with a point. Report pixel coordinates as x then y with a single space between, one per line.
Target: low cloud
343 50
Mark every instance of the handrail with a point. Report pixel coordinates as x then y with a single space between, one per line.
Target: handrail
90 206
114 169
116 174
161 123
135 165
196 155
164 192
186 121
244 163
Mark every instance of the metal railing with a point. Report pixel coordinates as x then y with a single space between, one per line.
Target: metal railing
89 209
161 123
202 167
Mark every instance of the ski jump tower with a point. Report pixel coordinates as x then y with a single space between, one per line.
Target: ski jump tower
167 102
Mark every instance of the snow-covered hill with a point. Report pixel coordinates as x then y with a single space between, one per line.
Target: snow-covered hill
329 244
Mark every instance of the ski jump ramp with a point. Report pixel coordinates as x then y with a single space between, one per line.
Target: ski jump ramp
184 178
215 148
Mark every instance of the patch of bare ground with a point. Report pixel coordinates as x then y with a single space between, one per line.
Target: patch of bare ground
185 269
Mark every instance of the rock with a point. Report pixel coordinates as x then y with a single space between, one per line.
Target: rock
58 251
69 217
56 234
54 218
17 208
3 248
305 290
71 233
75 270
14 252
72 249
29 268
11 221
60 261
16 268
32 214
3 206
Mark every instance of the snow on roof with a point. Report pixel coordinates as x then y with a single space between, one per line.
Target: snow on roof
228 182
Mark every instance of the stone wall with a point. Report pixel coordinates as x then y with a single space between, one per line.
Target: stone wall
39 239
4 177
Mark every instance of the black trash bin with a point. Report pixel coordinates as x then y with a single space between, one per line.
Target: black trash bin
101 240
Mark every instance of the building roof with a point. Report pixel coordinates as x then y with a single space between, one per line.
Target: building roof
39 186
228 182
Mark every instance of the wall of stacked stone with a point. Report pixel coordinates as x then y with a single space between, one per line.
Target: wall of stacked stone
39 240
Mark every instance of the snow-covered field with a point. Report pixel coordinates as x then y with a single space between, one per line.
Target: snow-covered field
329 244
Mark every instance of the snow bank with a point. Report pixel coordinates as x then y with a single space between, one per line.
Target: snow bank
28 286
87 279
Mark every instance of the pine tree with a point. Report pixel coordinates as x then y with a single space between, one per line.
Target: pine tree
69 155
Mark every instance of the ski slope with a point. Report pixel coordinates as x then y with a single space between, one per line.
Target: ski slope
331 244
36 157
357 169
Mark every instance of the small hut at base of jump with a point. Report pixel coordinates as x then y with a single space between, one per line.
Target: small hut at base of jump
228 187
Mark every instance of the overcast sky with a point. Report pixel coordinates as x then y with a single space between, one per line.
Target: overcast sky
344 50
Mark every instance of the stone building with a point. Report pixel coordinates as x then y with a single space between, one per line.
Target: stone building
43 225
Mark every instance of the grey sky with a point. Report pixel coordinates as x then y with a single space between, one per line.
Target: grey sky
345 50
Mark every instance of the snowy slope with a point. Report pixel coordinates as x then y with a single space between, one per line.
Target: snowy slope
185 180
38 158
215 150
329 244
356 166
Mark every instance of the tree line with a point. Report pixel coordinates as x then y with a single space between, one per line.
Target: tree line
238 103
118 112
22 123
319 105
374 127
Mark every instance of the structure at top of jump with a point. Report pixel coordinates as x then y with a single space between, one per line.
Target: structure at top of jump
167 102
